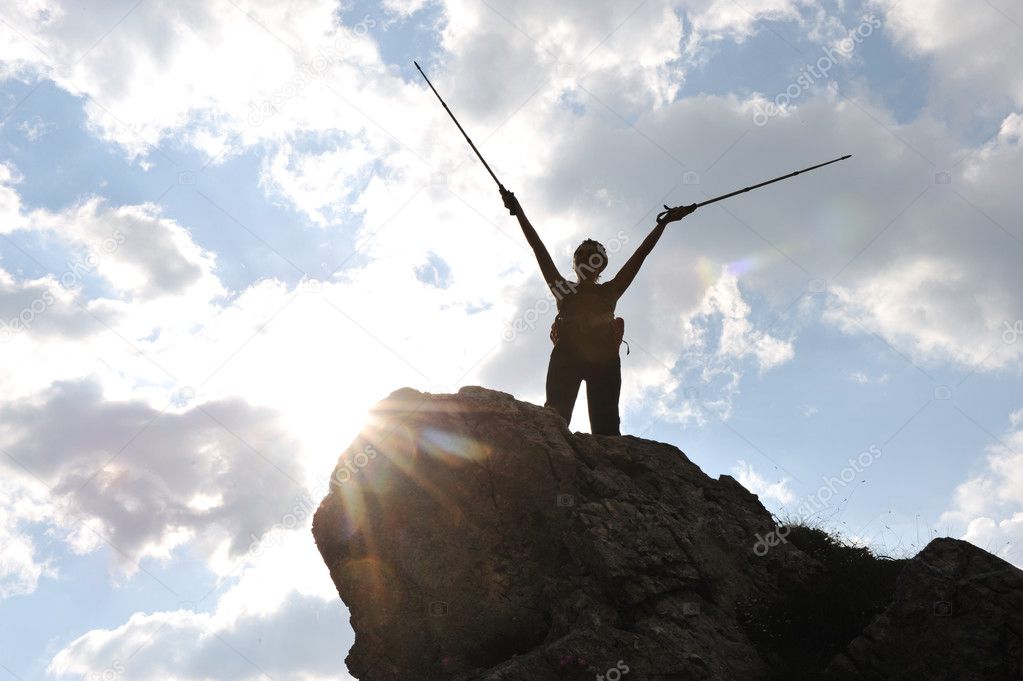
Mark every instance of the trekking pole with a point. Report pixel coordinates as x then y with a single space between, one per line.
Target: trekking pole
485 164
756 186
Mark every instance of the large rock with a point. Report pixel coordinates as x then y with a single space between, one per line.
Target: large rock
957 615
474 538
481 539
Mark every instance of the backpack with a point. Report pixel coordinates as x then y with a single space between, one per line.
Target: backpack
619 331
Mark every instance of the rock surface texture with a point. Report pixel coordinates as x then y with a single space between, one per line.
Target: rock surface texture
474 538
957 615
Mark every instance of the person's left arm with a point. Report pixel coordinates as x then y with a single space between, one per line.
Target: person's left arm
624 278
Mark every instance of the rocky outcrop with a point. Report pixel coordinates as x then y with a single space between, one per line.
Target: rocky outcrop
474 538
957 615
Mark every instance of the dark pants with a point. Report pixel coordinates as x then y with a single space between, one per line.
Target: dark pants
603 386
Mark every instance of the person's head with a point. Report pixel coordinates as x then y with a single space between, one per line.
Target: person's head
589 260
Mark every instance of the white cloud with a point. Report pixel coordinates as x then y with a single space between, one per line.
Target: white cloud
302 641
233 74
863 378
718 342
912 298
405 7
749 478
990 503
322 185
139 252
10 202
19 571
934 309
279 618
975 66
739 338
34 128
719 17
130 471
1016 417
939 283
41 306
192 68
21 568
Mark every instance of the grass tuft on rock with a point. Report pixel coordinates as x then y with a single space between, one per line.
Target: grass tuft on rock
802 631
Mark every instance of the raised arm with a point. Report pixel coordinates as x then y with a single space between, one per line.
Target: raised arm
629 271
547 268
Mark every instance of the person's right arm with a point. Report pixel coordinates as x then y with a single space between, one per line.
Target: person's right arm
547 268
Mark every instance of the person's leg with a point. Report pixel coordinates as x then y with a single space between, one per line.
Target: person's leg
563 379
603 387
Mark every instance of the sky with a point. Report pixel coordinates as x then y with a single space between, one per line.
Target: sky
229 227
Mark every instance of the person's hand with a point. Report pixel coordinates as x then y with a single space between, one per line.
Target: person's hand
674 214
511 203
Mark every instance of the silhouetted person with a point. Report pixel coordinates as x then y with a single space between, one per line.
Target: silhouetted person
586 335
